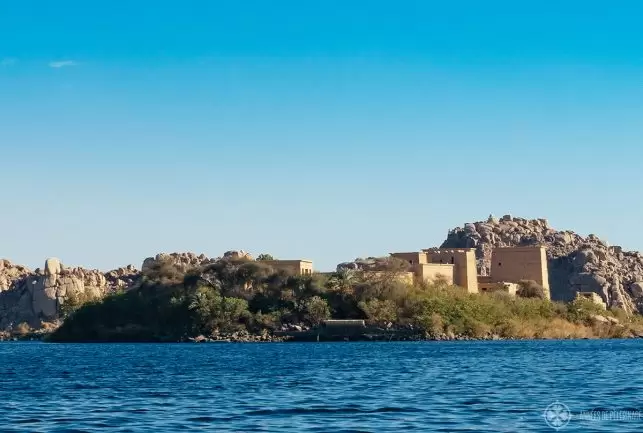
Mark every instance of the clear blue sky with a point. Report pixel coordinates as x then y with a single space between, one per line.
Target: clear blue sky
322 130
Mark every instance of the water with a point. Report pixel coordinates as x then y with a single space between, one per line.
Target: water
318 387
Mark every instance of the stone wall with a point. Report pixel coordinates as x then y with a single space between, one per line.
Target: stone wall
295 267
435 271
465 272
512 264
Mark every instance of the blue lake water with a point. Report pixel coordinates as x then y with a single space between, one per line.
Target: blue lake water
319 387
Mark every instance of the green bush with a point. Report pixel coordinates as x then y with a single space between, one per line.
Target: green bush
582 310
316 310
73 301
215 312
379 311
530 289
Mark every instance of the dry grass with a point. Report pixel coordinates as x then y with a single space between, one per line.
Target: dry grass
443 308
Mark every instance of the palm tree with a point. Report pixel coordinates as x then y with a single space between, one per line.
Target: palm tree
342 281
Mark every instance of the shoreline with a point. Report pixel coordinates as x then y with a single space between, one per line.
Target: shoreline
263 339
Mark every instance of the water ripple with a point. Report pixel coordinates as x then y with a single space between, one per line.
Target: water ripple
354 387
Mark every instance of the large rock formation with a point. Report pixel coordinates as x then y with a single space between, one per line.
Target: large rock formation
37 296
122 278
10 273
576 263
237 255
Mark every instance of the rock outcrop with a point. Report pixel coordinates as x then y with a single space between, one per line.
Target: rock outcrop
237 255
576 263
10 273
34 297
183 261
360 264
37 296
374 264
122 278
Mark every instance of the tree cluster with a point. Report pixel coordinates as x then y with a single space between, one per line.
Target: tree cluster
240 294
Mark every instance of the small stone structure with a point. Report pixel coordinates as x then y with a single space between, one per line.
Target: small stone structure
592 296
487 286
342 328
344 322
296 267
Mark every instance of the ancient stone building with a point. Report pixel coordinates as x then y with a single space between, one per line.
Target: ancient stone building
457 266
464 265
512 264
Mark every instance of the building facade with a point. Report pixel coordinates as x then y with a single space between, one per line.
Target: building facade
509 265
512 264
454 266
295 267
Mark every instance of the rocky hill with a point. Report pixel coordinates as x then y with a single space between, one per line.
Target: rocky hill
576 263
35 296
185 261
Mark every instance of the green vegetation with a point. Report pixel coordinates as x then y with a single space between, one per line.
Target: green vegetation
243 295
74 301
262 257
530 289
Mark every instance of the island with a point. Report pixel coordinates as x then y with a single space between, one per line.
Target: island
506 278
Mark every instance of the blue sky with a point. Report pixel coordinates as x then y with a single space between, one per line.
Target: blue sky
322 130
